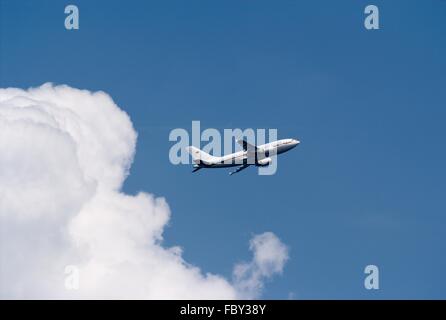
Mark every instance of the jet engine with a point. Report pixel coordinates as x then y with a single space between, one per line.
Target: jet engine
264 162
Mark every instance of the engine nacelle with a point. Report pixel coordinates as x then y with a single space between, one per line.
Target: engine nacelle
264 162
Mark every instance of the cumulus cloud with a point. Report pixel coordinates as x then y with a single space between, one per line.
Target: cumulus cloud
64 155
270 256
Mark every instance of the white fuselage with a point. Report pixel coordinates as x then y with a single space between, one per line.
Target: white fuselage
263 152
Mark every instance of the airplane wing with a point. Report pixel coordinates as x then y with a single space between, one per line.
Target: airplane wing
244 166
246 145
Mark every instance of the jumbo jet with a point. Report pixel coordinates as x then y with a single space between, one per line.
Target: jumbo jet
259 156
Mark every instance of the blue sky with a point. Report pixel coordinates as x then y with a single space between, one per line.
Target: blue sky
367 184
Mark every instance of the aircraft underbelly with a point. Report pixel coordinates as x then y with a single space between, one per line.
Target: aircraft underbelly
283 149
225 165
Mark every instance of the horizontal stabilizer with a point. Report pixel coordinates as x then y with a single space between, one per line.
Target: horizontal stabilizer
196 169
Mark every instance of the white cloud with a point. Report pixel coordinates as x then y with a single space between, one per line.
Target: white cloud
270 256
64 155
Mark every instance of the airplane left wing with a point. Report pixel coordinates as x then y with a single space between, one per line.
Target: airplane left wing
244 166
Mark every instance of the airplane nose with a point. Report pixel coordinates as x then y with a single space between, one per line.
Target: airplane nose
296 142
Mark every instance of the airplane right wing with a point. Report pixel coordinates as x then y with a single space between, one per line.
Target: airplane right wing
247 146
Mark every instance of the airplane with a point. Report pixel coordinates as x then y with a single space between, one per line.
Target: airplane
260 156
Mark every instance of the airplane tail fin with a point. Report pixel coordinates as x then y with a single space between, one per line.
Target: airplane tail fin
199 155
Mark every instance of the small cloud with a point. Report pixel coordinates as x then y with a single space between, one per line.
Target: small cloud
270 256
